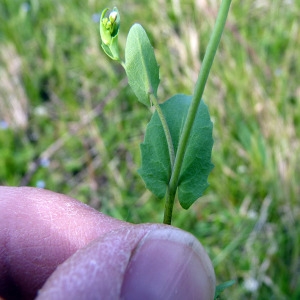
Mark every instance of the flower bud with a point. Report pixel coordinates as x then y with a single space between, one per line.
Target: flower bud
109 25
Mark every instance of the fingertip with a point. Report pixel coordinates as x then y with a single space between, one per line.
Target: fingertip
169 264
144 262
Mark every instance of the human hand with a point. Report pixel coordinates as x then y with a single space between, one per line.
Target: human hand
58 248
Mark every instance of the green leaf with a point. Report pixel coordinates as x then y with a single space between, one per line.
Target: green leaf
156 166
221 287
105 33
112 51
107 50
140 64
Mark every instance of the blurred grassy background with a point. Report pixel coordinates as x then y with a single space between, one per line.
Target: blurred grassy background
70 123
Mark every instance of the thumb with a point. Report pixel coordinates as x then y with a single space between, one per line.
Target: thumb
147 261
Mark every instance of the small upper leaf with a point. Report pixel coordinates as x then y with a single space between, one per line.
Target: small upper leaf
140 64
196 166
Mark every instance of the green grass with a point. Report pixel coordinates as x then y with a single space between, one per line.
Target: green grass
65 102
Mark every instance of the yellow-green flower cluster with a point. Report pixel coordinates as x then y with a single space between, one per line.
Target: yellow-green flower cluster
109 25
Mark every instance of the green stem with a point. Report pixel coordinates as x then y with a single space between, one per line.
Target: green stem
166 131
122 64
200 85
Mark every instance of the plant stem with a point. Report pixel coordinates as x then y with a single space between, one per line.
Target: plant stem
164 125
200 85
166 131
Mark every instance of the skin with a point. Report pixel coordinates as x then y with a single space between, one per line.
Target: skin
54 247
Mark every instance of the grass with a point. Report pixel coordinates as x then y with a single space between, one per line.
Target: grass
69 122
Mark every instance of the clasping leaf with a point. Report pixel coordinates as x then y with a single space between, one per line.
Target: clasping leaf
196 166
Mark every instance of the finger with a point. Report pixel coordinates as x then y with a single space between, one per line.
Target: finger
39 229
144 262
